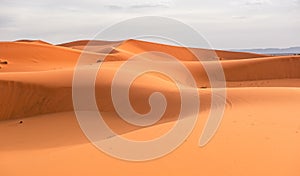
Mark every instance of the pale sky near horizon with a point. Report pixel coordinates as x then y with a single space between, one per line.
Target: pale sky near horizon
231 24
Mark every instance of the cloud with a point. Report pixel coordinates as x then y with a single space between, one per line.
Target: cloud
297 2
148 6
6 20
140 5
239 17
114 7
254 2
251 2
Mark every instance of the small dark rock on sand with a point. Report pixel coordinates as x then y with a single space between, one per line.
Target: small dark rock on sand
3 62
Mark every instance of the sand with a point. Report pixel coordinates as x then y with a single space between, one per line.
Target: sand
39 133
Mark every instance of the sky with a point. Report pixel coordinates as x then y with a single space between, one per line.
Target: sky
225 24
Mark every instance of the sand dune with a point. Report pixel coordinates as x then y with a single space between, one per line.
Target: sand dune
183 53
93 46
259 133
34 41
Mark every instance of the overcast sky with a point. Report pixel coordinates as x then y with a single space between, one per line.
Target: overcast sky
226 24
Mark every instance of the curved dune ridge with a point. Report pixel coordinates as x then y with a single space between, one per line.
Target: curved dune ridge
259 133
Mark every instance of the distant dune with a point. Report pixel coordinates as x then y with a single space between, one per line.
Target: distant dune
259 133
274 51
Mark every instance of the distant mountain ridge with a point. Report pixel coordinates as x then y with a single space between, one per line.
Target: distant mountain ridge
291 50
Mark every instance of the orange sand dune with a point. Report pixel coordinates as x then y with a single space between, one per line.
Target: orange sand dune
131 46
259 133
82 43
92 46
34 41
185 54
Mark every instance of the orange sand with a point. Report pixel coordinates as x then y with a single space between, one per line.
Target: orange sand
259 133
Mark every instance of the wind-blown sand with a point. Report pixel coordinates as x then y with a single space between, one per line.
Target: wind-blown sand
39 133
